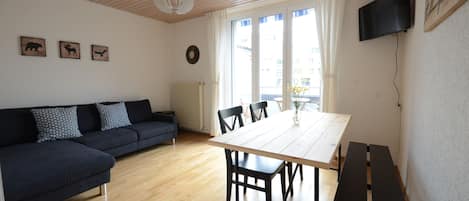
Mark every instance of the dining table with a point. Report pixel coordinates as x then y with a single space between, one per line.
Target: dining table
313 141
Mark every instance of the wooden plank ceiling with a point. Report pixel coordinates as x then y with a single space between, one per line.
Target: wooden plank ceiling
148 9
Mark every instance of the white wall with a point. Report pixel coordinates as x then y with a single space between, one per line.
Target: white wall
184 34
435 128
365 89
139 56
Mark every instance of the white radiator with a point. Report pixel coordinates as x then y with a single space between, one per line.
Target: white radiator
187 101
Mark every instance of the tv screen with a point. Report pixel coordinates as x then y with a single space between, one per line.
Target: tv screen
383 17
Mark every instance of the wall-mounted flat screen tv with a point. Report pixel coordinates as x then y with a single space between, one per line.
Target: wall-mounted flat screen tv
383 17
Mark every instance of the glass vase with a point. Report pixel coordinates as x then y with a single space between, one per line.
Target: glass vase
296 116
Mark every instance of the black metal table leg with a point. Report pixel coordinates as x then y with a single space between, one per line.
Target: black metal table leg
291 178
316 184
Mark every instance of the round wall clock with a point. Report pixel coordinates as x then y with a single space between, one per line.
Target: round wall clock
192 54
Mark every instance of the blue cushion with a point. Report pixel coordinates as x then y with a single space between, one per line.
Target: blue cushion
151 129
113 116
104 140
33 168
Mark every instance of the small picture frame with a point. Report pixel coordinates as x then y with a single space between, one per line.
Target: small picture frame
69 50
31 46
99 53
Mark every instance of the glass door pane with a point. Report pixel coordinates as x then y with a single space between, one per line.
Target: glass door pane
271 29
306 58
242 62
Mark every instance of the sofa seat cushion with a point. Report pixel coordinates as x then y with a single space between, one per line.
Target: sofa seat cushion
109 139
31 169
151 129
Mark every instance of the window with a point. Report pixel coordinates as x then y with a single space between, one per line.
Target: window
241 69
271 56
272 52
306 67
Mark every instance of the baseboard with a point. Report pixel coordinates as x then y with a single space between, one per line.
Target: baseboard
182 130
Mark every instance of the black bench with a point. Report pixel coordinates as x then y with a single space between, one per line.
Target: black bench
353 184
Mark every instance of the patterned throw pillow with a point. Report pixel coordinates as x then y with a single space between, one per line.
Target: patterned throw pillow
113 116
56 123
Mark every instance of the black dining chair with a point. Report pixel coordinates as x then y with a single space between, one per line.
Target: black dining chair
258 112
248 165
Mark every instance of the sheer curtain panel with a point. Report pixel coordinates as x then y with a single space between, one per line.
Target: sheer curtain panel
218 56
330 14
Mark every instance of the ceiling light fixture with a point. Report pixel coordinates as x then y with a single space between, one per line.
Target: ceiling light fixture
179 7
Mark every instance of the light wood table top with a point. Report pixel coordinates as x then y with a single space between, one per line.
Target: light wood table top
313 142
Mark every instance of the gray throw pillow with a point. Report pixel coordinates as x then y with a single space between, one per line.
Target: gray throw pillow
56 123
113 116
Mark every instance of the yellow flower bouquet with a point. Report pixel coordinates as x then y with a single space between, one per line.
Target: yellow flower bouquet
297 91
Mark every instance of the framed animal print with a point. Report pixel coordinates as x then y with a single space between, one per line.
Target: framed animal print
99 53
436 11
31 46
69 50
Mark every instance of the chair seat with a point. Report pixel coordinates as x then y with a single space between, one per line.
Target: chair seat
252 164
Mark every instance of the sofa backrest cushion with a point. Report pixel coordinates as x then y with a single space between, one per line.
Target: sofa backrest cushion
139 111
88 118
17 126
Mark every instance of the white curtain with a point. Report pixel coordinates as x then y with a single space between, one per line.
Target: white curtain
329 14
218 56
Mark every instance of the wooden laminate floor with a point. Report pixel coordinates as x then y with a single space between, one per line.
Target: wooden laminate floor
191 171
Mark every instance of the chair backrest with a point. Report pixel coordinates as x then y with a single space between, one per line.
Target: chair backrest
235 113
258 110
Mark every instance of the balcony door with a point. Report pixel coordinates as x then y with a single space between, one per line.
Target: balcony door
273 51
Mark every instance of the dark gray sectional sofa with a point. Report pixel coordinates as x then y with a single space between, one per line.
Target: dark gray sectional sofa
57 170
